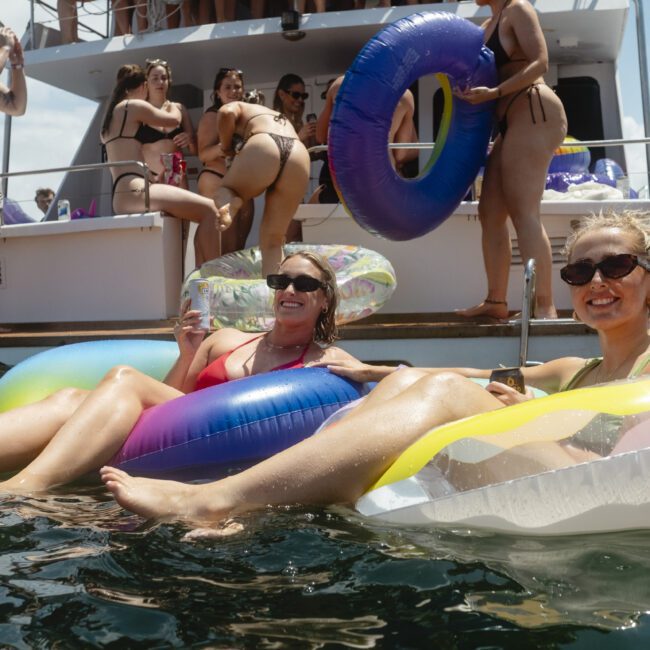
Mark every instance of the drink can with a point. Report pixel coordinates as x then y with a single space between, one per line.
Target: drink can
63 210
200 300
512 377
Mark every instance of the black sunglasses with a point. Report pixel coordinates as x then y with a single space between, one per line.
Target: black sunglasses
297 95
227 70
613 267
303 283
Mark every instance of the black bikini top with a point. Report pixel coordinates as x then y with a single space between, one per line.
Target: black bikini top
501 57
147 134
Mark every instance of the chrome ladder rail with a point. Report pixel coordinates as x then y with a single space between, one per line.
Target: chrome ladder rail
527 310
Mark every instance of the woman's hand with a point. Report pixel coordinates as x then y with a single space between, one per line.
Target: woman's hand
187 333
353 369
183 140
307 132
508 395
477 95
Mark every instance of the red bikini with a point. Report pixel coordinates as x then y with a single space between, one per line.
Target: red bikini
215 373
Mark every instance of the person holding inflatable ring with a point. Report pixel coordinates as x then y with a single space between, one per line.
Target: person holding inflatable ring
531 125
608 272
73 431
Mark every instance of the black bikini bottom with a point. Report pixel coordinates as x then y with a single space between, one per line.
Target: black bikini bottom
502 124
118 179
209 171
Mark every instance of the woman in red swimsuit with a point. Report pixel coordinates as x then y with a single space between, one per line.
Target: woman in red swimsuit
73 431
531 125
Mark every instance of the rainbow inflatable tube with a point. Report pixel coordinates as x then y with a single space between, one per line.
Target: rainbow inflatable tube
201 435
499 471
374 194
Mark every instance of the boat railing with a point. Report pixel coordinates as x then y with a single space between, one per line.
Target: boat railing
53 10
617 142
82 168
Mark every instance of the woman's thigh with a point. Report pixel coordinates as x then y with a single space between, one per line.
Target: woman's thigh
528 147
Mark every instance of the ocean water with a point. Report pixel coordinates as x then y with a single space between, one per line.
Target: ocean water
76 571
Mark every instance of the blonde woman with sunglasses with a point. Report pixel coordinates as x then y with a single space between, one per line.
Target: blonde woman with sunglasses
610 287
73 431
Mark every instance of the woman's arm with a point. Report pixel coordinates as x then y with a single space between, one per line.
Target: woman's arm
13 101
209 148
144 112
528 34
226 123
186 139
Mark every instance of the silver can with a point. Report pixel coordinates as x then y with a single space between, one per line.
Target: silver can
63 210
200 300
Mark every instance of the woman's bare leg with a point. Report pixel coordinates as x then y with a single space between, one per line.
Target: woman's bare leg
257 8
523 184
336 466
122 14
495 241
67 10
94 432
179 203
25 431
234 239
224 10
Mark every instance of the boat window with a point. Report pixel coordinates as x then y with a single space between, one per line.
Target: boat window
581 99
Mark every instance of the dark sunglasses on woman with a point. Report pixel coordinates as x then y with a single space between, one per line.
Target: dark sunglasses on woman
613 267
297 95
303 283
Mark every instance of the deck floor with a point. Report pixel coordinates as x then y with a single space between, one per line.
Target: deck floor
377 326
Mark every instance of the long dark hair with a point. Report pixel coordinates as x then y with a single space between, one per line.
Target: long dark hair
286 81
221 75
129 77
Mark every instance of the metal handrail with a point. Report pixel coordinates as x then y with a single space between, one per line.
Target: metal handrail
82 168
527 310
619 142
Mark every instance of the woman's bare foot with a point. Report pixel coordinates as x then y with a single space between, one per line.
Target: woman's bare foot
228 211
158 499
497 309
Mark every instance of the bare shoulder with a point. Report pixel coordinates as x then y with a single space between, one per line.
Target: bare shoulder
521 10
552 375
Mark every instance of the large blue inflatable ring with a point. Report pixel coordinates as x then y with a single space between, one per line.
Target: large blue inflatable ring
378 198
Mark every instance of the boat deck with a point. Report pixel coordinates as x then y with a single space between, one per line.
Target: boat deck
375 327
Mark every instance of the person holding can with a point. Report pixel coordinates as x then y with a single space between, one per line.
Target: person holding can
608 271
127 117
73 432
160 144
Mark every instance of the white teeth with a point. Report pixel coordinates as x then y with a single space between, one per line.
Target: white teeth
287 303
602 301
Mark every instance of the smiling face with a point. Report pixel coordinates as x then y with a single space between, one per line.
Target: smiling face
604 303
231 89
291 104
293 305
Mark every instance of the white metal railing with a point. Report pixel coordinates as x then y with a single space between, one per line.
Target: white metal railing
617 142
89 167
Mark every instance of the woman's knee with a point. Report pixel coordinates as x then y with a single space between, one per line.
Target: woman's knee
68 400
123 375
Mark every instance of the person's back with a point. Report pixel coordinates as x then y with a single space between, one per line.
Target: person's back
254 119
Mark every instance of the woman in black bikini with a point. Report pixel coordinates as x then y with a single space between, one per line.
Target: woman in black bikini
531 125
228 87
156 142
273 159
128 113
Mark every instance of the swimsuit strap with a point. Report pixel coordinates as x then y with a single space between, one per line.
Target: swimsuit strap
589 365
640 365
120 134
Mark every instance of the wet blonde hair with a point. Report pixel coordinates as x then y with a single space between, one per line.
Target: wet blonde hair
325 330
633 222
